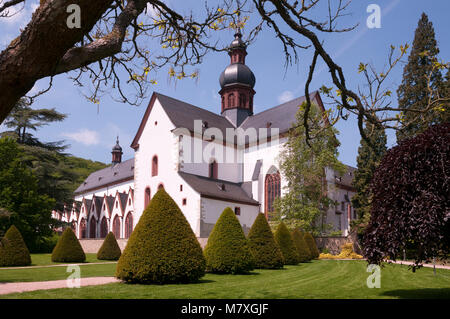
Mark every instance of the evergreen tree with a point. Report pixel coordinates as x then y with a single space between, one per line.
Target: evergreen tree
162 248
413 92
227 250
302 247
68 248
284 240
28 210
367 161
110 249
13 250
263 247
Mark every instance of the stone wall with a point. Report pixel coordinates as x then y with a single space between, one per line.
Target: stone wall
333 244
92 245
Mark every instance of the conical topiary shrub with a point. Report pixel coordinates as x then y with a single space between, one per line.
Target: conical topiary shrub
13 250
162 248
302 247
284 239
110 249
227 250
68 248
312 245
264 249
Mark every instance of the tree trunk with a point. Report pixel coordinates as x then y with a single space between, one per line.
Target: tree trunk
36 53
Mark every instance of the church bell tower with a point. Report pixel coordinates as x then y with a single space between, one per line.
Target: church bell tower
237 82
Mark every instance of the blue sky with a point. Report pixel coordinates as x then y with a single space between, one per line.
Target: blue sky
91 129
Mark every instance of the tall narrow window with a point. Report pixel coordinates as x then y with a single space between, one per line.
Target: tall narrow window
213 170
231 100
116 226
92 228
272 191
103 228
128 225
146 197
83 228
155 165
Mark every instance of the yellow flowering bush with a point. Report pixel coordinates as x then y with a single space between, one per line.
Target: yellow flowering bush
346 253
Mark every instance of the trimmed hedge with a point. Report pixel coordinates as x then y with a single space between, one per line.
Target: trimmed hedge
110 249
162 248
302 247
68 248
227 250
312 245
13 250
284 239
264 249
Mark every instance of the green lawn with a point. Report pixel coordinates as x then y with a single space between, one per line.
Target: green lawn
46 259
318 279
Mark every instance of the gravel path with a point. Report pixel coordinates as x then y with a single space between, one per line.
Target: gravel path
14 287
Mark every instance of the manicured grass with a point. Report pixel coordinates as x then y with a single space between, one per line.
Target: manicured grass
318 279
55 273
46 259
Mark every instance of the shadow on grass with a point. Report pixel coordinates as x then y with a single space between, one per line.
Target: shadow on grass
421 293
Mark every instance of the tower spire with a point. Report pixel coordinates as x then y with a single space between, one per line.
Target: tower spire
117 152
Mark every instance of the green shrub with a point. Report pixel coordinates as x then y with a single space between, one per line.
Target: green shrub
264 249
162 248
227 250
284 239
312 245
13 250
68 248
110 249
301 245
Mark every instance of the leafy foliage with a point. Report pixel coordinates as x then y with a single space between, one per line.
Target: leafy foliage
68 248
13 250
110 249
309 239
413 93
303 251
227 250
288 249
346 253
264 249
162 248
367 161
303 167
410 199
28 210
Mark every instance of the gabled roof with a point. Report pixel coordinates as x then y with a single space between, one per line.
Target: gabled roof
347 178
109 200
218 189
182 114
97 200
123 201
109 175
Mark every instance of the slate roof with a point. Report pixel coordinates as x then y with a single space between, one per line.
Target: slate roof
347 178
123 200
212 188
98 205
281 116
110 202
108 175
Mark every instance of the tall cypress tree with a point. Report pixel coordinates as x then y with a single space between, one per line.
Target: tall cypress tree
413 92
367 161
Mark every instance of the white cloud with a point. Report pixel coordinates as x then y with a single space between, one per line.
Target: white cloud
84 136
285 96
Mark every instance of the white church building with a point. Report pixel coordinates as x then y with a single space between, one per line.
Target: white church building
205 161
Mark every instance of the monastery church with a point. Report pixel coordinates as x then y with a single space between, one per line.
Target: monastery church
114 198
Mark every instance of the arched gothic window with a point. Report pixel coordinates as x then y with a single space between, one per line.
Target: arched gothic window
82 228
242 100
147 197
92 228
116 226
213 170
272 190
155 165
103 228
128 225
